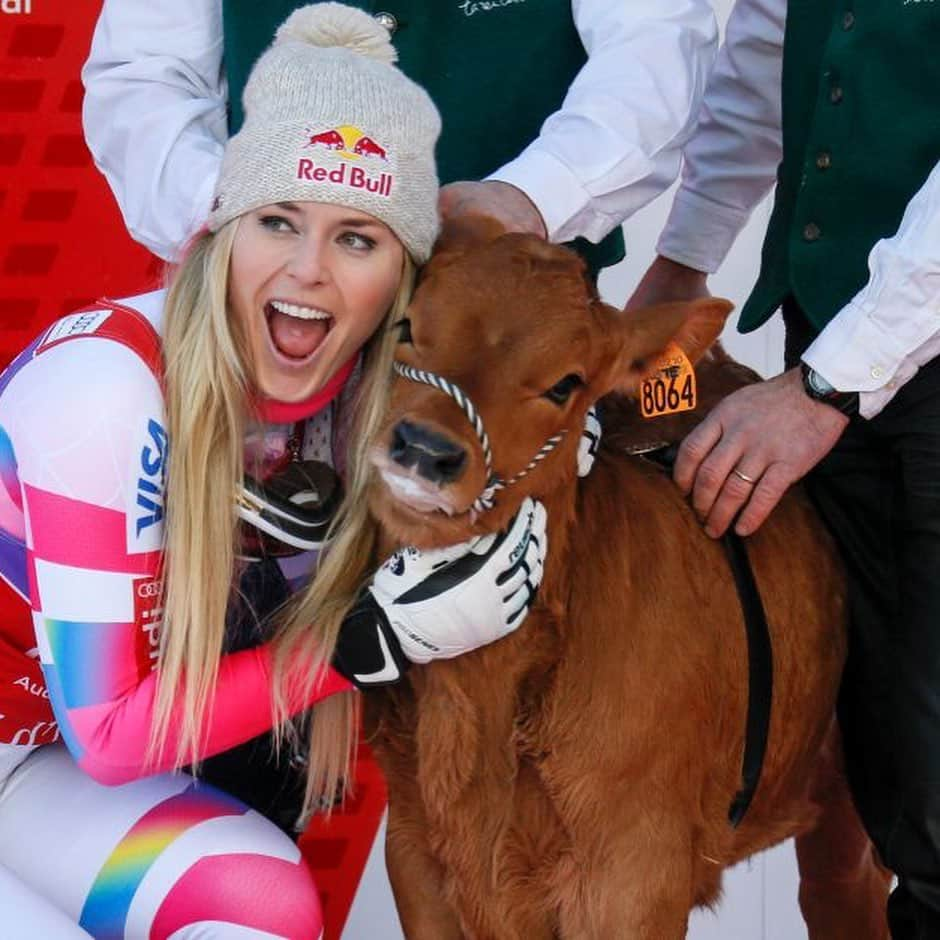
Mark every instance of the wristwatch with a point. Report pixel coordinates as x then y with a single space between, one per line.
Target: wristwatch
820 390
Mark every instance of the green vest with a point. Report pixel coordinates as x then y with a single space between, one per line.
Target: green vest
495 68
861 133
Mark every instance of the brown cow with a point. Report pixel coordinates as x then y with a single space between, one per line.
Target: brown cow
574 779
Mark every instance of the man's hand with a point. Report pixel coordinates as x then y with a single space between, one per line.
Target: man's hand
667 281
751 448
501 201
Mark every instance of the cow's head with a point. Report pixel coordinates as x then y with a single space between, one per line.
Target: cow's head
506 344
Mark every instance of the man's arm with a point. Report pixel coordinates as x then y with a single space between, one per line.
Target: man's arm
879 340
731 161
773 432
616 141
155 113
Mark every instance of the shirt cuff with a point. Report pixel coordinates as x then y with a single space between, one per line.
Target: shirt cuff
699 233
854 354
557 193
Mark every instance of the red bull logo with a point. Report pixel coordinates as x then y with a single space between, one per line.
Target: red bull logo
367 147
352 144
349 140
329 139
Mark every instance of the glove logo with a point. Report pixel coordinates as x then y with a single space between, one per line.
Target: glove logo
397 565
520 547
420 640
389 671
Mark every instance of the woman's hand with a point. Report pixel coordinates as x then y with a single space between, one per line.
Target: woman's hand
439 604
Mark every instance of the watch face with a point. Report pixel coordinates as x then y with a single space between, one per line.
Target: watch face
819 386
820 390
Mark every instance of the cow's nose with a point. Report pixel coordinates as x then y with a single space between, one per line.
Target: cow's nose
435 457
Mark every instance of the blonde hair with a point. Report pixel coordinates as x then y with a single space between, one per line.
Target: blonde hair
206 401
208 382
313 619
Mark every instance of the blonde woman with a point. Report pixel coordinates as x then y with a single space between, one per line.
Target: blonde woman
161 457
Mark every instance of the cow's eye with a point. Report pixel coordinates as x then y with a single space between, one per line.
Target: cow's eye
561 391
404 330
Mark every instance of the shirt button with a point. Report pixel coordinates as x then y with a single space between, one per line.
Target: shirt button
811 232
848 20
388 21
835 94
877 372
823 160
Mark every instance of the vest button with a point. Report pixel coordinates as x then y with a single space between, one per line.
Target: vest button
387 20
835 94
823 160
848 20
811 232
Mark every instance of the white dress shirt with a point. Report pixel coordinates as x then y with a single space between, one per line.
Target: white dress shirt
155 94
891 327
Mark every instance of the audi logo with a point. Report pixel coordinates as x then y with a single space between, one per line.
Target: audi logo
149 589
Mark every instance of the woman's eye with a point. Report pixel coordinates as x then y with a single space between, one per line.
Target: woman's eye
276 223
561 391
357 240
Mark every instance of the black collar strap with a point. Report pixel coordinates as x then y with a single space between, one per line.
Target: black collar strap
759 655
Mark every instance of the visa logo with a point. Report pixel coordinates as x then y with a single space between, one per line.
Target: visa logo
150 486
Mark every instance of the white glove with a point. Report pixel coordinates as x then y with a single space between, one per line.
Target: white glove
439 604
446 602
590 442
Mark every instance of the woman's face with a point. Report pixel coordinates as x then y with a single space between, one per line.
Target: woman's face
309 283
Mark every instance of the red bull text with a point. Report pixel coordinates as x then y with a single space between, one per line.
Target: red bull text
354 177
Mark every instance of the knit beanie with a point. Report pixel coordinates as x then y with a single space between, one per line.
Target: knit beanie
329 118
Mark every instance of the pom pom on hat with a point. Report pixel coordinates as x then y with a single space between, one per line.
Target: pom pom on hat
335 24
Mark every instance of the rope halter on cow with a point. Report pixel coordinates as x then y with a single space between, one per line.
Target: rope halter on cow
484 501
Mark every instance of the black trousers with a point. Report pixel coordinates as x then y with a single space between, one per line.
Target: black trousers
879 491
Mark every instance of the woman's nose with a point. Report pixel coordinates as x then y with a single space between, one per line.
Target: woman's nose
308 262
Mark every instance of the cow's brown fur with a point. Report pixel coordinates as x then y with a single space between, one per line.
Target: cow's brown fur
573 780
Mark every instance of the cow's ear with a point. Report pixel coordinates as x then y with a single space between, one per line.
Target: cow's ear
460 234
646 332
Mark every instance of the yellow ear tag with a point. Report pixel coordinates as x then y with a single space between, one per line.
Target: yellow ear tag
670 386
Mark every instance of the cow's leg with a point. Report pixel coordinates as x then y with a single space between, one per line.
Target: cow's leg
843 887
417 879
638 887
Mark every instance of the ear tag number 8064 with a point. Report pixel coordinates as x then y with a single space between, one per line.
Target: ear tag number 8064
670 385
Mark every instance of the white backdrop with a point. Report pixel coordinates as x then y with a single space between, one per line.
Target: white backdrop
759 900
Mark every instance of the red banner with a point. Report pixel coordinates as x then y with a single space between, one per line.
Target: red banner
62 245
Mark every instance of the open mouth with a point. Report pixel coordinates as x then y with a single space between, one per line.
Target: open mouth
296 332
